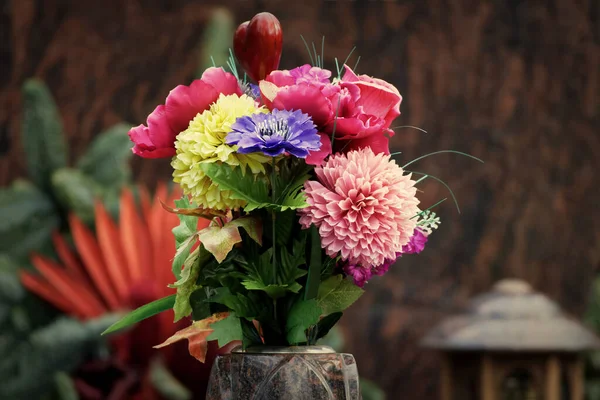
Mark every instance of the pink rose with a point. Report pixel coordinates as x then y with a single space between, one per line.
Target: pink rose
183 103
367 107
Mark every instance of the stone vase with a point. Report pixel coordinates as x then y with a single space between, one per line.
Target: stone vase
284 373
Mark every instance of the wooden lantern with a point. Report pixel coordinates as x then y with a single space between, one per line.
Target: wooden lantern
512 344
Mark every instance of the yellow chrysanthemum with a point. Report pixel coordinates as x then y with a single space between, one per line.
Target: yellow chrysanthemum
204 142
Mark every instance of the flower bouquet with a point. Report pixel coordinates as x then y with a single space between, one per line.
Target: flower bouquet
292 202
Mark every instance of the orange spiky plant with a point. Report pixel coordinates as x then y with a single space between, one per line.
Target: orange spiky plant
122 267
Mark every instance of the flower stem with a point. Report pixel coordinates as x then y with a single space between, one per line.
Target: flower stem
274 260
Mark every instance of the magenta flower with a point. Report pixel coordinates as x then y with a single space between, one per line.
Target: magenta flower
183 103
367 106
360 275
364 207
416 244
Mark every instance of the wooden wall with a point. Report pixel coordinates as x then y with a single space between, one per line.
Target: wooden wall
515 82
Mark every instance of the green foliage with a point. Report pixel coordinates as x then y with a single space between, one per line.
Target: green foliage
314 269
226 330
254 190
336 294
43 141
276 282
106 161
325 324
185 235
142 313
29 365
216 40
219 240
187 284
244 306
65 387
302 316
76 192
28 217
370 391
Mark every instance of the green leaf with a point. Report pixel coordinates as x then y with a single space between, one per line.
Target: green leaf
250 336
219 240
43 140
261 276
274 291
185 259
27 369
11 290
188 282
188 223
241 305
314 268
336 294
252 226
302 315
254 191
226 330
370 391
107 159
184 233
326 323
28 218
77 192
142 313
200 308
65 387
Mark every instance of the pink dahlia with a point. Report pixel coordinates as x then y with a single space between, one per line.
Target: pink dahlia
364 207
157 140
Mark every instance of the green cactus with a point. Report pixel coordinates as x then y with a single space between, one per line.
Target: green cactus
42 133
217 40
30 211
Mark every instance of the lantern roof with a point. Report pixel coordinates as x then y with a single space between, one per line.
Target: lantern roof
512 317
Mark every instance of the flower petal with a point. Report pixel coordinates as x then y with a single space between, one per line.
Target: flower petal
185 102
308 99
316 157
223 82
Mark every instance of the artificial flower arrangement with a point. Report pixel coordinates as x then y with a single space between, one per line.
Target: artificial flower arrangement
292 199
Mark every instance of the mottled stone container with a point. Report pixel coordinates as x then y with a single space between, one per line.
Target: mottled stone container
284 373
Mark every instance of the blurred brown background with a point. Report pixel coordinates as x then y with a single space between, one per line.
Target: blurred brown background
516 83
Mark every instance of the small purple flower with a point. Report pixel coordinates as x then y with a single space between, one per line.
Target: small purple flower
273 134
307 74
359 274
416 244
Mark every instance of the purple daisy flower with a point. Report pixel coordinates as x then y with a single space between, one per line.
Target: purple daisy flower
273 134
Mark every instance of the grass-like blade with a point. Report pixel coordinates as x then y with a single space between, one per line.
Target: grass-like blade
356 65
440 152
442 182
312 61
408 126
430 207
142 313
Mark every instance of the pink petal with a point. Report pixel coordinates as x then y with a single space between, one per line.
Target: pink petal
309 99
161 134
185 102
356 127
281 78
379 143
317 157
221 81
